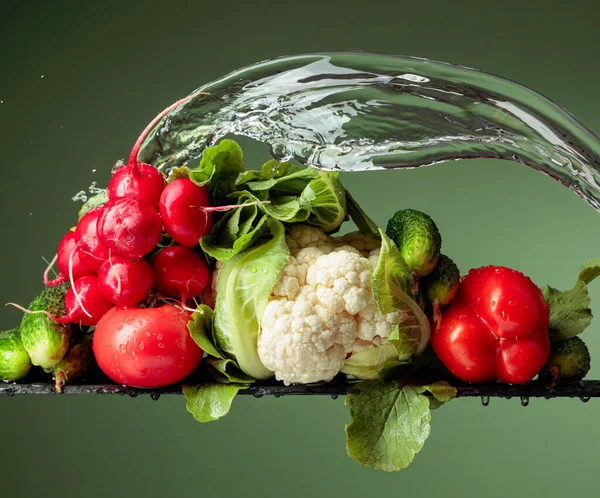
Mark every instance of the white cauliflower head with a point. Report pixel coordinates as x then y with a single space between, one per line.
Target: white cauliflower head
304 343
322 308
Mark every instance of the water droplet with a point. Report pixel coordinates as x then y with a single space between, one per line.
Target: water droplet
93 171
30 214
492 304
511 303
147 334
485 400
277 395
134 355
159 337
155 397
161 345
42 76
497 270
258 395
123 348
254 269
80 196
133 395
503 315
141 346
524 401
334 396
585 399
1 101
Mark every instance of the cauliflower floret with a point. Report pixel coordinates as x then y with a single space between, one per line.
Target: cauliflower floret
373 328
304 343
302 236
288 284
361 242
342 281
374 256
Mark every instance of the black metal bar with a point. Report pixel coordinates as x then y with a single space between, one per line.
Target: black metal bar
583 390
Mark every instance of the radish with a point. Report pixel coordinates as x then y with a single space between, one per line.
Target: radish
68 245
183 210
180 273
137 179
92 253
84 303
124 282
130 226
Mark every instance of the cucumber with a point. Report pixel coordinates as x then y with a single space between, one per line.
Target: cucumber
45 340
14 360
441 285
418 239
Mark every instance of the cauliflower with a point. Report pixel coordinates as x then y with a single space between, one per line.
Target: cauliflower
322 308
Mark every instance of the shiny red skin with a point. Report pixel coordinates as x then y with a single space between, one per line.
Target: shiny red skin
130 226
93 253
65 248
495 329
180 209
180 272
93 301
141 181
124 282
146 348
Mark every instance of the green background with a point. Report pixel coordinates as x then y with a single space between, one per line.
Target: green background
108 67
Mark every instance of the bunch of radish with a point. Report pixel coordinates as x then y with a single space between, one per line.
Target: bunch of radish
112 257
138 293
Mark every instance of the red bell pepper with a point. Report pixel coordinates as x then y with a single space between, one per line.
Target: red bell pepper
495 329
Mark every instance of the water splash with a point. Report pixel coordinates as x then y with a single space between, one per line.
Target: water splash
358 111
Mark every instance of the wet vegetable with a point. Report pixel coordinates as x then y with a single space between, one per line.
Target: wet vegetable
14 360
45 340
495 329
418 239
569 361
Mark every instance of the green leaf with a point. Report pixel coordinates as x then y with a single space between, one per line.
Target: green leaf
236 231
362 221
570 312
219 169
201 330
392 289
369 364
208 402
325 197
244 286
281 177
390 424
178 173
227 371
441 392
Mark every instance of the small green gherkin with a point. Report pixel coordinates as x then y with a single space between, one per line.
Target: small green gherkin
78 361
14 360
418 239
569 361
45 340
441 285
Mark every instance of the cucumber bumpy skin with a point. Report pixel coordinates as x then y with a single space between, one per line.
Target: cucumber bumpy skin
45 340
569 361
14 360
418 239
441 285
78 361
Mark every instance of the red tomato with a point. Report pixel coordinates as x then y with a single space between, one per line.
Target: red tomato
146 347
496 328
